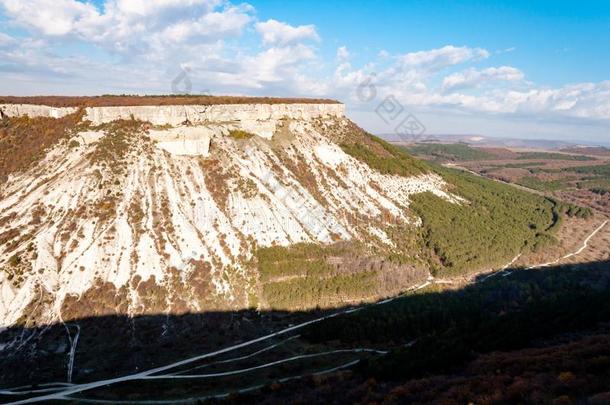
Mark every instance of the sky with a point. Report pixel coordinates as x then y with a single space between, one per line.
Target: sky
525 69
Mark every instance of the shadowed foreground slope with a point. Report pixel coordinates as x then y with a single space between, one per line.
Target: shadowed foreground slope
525 335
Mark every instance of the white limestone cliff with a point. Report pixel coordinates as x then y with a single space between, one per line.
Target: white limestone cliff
260 119
199 210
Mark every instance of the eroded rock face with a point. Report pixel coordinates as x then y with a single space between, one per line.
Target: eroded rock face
175 115
132 220
260 119
185 140
15 110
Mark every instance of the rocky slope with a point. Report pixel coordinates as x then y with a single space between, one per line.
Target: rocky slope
152 210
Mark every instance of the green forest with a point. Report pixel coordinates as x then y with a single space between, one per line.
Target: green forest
541 185
493 225
601 170
454 151
553 156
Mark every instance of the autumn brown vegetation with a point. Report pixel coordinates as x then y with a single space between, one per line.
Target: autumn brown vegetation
24 140
135 100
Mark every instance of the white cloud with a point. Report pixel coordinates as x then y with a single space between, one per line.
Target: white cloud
141 45
50 17
437 59
278 33
474 78
276 64
383 54
342 54
132 27
411 79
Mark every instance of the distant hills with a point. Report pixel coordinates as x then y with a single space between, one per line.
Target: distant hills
488 141
588 150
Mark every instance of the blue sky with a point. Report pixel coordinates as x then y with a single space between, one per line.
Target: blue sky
555 42
512 68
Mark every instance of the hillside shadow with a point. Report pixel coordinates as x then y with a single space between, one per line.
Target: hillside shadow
111 346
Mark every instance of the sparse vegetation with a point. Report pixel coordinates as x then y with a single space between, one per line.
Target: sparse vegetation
112 149
247 187
135 100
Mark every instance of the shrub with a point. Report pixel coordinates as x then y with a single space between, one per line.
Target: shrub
239 134
14 261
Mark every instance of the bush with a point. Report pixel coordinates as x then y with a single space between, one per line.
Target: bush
14 261
239 134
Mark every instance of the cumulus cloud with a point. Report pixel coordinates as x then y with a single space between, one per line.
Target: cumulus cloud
131 27
475 78
440 58
275 32
411 78
153 39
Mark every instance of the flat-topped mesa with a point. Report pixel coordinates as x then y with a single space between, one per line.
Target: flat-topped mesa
171 110
205 121
195 114
258 118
